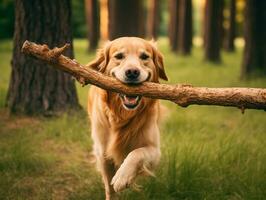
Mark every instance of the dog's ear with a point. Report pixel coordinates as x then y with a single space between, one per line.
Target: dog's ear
158 61
102 58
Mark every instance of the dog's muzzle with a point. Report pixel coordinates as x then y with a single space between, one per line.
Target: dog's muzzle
132 75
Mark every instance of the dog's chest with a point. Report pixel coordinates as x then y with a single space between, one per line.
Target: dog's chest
124 139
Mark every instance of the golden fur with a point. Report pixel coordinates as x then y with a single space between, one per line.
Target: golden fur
126 142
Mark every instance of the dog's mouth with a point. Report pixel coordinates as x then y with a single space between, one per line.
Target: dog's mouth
130 102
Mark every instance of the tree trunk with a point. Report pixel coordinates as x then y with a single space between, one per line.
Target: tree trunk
185 24
254 59
213 30
125 18
173 24
154 15
230 38
34 88
93 23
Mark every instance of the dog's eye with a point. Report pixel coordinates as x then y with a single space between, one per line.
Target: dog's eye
119 56
144 56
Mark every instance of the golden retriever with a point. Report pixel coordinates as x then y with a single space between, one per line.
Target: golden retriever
124 128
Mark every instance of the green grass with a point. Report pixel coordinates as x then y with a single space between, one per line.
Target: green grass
208 152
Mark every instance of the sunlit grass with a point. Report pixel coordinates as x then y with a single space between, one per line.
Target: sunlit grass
208 152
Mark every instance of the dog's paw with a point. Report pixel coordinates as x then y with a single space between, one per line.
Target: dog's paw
123 178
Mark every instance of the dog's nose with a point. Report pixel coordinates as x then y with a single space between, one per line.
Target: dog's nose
132 73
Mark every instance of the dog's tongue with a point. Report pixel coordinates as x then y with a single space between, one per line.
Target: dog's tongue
130 100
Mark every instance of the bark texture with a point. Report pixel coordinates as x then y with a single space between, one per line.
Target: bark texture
230 35
185 24
183 95
93 22
34 87
154 17
254 58
173 24
126 18
213 29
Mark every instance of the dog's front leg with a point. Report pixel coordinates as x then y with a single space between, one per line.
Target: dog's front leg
138 161
108 171
105 166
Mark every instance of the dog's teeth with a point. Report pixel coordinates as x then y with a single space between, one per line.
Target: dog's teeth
129 102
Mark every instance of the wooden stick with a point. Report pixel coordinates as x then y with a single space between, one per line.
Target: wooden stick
183 95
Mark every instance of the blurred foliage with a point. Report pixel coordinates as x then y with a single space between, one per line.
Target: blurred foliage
78 19
239 19
7 18
163 30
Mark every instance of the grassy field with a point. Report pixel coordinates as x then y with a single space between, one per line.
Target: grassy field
207 152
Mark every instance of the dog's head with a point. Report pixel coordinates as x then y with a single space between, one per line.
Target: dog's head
131 60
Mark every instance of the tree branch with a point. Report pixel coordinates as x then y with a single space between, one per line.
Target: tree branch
183 95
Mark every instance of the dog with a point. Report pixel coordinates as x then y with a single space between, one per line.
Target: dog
124 129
